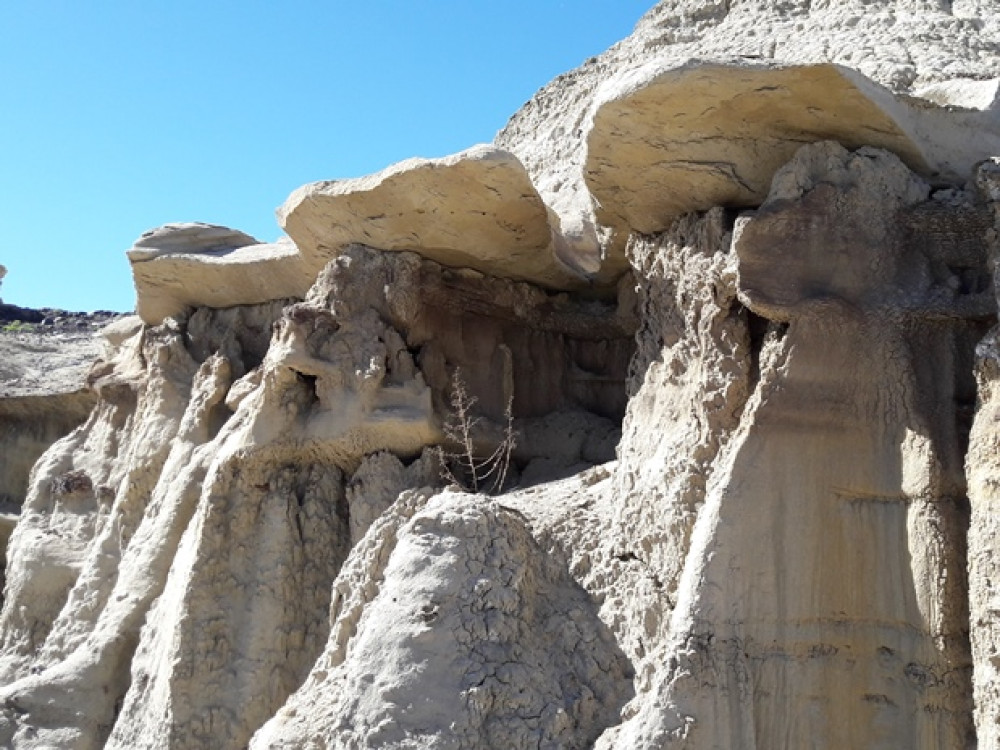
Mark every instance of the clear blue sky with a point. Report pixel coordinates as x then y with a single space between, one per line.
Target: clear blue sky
119 116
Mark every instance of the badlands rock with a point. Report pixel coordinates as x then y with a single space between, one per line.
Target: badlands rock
43 397
717 133
232 459
188 237
691 377
476 209
963 92
28 426
983 471
902 45
865 526
483 651
247 543
132 473
180 266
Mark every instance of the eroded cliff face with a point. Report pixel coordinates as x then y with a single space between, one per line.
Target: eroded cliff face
184 542
749 369
825 573
981 469
43 392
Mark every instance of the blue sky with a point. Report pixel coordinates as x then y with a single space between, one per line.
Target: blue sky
122 116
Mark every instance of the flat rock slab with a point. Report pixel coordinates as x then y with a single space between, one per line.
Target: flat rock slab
475 209
188 265
187 237
45 364
667 139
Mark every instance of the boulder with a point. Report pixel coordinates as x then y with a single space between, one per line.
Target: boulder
475 209
432 578
180 266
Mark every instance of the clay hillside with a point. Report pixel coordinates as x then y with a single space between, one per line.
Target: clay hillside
670 419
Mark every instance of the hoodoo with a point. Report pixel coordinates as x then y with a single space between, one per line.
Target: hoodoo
667 420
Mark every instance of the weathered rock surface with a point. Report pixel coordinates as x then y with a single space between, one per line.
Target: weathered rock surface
983 471
904 46
188 237
752 501
852 475
181 266
476 209
483 651
221 467
43 397
717 133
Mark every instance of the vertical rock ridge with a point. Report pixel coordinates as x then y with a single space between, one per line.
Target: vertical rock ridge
830 547
984 493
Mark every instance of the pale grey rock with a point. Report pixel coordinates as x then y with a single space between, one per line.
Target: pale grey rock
902 45
46 364
178 267
243 545
233 459
844 476
983 471
718 132
379 480
967 93
475 209
44 396
690 379
101 526
453 628
188 237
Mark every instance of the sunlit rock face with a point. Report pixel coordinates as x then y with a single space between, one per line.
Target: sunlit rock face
43 398
177 267
717 306
829 545
982 471
717 132
475 209
484 649
185 541
705 100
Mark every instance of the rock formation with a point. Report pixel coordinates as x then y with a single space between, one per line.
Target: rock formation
725 293
180 266
981 470
43 392
477 209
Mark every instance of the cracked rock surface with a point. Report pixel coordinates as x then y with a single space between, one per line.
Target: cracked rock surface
720 306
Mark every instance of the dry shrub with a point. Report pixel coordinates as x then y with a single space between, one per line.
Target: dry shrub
464 466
